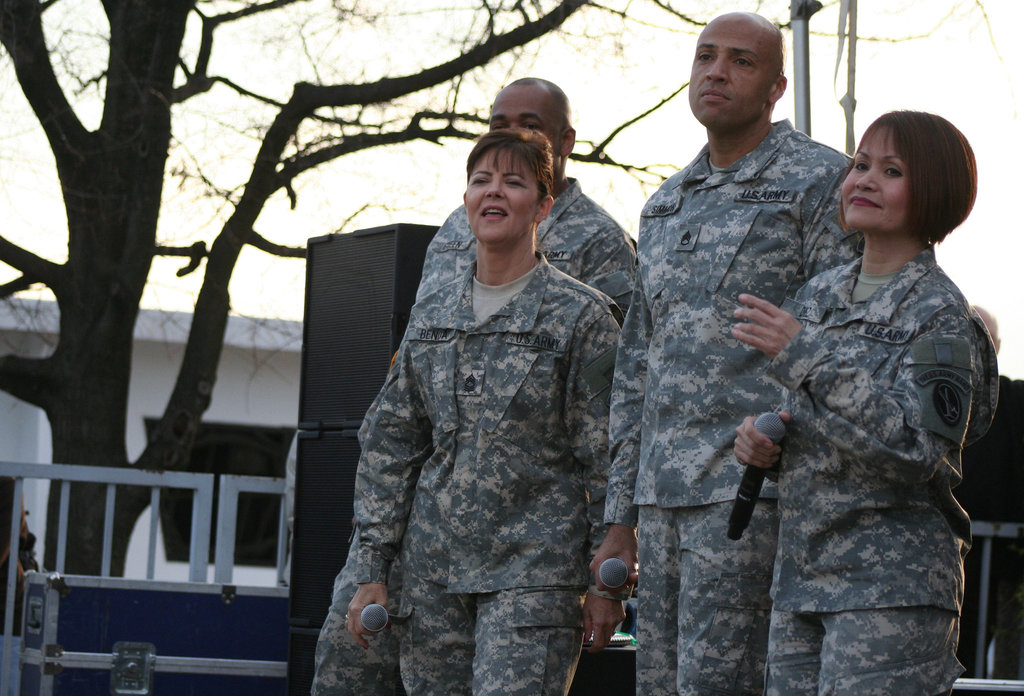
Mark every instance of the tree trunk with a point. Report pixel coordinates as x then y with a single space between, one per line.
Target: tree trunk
112 182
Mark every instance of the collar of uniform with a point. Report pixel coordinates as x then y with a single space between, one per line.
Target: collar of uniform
459 220
880 307
832 294
455 309
451 305
883 303
748 167
562 204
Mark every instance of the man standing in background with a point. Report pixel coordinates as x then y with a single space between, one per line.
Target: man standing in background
756 212
992 490
578 238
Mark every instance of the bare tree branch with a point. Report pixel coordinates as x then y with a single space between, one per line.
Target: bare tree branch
38 269
599 148
195 253
17 285
260 242
253 9
384 90
21 32
296 165
667 7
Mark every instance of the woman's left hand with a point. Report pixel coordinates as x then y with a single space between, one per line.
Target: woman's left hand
600 617
765 326
368 593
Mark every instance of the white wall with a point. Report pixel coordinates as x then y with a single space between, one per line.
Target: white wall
257 384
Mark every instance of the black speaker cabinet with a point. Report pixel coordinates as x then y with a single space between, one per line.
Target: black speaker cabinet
611 672
301 651
324 479
360 288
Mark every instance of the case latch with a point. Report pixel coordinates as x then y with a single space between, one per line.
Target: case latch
132 671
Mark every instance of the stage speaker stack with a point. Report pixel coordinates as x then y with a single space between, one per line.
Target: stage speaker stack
359 290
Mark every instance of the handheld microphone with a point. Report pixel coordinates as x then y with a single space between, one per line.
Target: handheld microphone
753 476
374 618
613 573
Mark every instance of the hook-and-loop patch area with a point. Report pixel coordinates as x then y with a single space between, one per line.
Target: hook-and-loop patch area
942 378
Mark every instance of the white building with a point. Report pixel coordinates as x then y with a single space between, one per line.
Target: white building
257 392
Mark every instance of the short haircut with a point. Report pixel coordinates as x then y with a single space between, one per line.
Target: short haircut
778 41
557 95
941 169
777 50
519 146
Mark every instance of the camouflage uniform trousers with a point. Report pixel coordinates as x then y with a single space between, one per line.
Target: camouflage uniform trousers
516 642
870 652
704 607
343 668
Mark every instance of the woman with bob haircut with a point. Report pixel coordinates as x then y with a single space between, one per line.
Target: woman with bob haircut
887 374
486 456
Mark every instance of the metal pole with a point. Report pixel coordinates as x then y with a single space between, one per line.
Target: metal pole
800 13
850 101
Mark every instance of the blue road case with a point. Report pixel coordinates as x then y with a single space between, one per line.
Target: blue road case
96 636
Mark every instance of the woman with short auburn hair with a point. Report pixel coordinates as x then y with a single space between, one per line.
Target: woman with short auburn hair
887 373
486 456
943 184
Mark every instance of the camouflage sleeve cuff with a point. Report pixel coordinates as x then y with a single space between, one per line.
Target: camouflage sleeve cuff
372 567
620 510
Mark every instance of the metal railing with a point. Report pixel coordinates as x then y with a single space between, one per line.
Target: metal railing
231 486
987 532
202 487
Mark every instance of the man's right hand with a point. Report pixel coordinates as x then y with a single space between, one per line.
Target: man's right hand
620 542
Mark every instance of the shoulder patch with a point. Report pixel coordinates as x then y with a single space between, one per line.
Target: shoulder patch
597 376
942 379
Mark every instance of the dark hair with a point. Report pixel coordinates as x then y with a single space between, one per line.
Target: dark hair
519 145
941 170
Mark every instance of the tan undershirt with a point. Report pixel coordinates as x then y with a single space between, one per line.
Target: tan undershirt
488 299
867 284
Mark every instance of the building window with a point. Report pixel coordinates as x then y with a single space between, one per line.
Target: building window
231 449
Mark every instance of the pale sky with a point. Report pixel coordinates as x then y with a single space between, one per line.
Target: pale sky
956 73
959 71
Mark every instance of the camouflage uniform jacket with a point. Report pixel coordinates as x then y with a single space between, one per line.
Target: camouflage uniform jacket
682 383
883 393
486 459
578 238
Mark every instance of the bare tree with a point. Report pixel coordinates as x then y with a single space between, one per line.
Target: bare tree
113 176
